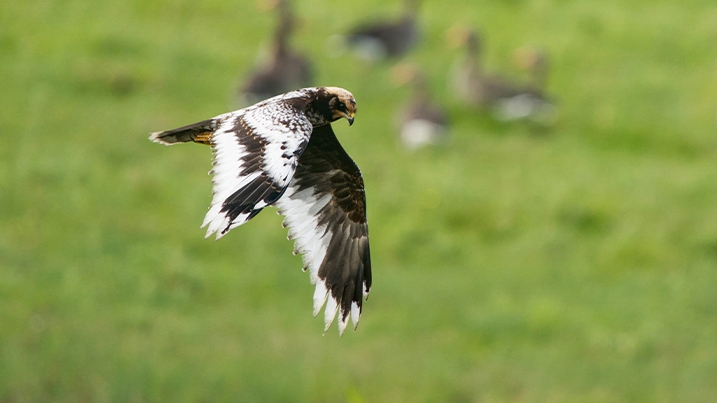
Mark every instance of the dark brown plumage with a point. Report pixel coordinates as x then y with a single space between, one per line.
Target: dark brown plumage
325 168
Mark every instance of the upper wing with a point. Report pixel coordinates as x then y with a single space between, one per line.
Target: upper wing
325 209
256 153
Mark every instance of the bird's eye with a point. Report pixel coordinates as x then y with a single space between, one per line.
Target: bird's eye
342 107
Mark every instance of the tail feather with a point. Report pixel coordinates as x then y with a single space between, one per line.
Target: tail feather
200 132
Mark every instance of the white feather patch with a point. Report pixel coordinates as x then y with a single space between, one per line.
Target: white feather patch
320 295
332 307
228 154
311 240
355 314
284 132
343 321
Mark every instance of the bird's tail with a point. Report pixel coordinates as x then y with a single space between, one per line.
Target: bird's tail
200 132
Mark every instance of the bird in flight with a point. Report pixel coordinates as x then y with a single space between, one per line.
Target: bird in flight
283 152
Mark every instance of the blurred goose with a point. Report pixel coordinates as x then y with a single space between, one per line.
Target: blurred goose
386 39
536 63
421 121
286 70
506 100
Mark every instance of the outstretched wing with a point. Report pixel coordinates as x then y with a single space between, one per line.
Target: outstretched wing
325 209
256 152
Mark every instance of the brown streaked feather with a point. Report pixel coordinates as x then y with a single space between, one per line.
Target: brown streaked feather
203 138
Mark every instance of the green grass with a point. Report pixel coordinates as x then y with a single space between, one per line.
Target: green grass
576 265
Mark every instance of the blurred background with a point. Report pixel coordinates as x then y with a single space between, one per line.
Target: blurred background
570 259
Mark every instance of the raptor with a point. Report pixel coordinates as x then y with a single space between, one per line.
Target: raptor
283 152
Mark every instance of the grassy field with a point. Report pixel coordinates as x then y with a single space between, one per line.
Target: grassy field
575 265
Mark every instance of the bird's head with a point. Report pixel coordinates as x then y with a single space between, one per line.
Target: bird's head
341 104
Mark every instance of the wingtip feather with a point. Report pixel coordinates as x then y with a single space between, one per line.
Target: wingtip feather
320 296
355 314
330 311
155 137
343 321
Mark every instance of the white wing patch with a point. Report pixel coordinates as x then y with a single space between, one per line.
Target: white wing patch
279 130
283 137
227 172
312 241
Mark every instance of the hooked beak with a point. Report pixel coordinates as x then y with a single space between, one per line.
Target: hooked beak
351 120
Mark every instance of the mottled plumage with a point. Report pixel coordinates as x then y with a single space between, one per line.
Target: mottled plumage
283 152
